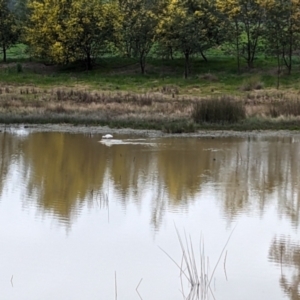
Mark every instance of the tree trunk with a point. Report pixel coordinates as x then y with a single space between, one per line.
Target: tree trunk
142 62
250 64
186 66
290 68
237 47
278 69
203 56
128 48
4 53
249 58
89 65
290 54
287 60
171 53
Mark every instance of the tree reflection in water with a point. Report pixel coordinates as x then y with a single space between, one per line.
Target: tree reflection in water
10 150
287 253
61 172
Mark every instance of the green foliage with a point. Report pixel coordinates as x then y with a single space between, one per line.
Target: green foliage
71 30
189 26
246 26
66 31
138 29
282 30
21 10
218 110
9 30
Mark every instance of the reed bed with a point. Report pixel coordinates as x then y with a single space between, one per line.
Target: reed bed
219 110
285 108
165 109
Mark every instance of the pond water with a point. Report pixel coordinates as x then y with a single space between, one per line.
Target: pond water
82 218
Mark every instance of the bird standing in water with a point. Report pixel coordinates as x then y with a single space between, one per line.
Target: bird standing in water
107 136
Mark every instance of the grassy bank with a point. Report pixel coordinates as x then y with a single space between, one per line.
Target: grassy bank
115 94
167 112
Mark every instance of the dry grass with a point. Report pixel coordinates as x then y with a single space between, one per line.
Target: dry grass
82 101
164 105
272 103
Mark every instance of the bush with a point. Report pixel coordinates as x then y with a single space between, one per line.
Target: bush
252 83
218 110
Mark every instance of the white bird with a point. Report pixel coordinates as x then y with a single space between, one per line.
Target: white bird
107 136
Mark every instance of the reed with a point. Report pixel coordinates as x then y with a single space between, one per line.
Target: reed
218 110
285 108
196 272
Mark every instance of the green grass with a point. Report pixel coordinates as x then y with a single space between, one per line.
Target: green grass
164 82
109 78
115 73
17 52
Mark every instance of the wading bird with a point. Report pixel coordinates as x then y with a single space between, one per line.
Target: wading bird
107 136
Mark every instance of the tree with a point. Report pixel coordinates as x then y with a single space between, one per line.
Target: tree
89 27
282 30
190 26
9 31
69 30
138 29
42 33
20 8
247 17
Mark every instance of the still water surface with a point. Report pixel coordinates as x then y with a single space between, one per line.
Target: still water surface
83 219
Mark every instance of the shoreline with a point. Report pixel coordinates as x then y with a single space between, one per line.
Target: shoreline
168 112
82 129
164 125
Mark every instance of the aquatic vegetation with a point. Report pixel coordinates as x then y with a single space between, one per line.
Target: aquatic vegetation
218 110
196 273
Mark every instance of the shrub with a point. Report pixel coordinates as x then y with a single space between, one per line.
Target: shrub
252 83
218 110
